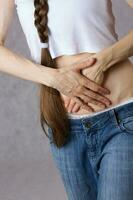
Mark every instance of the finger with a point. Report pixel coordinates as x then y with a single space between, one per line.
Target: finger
98 97
65 100
87 107
76 108
95 87
91 100
67 103
95 102
71 105
83 104
84 64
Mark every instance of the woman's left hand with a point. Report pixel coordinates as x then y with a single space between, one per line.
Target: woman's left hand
70 104
96 71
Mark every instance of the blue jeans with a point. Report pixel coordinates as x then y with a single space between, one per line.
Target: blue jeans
97 162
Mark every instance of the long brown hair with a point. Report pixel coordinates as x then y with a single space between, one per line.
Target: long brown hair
52 110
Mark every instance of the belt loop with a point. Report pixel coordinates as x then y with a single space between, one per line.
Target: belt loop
114 116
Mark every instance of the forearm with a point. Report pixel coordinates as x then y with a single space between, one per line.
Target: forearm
21 67
108 57
118 52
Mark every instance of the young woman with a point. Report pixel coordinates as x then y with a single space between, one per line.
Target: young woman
83 69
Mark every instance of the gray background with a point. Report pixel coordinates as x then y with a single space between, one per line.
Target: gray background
27 171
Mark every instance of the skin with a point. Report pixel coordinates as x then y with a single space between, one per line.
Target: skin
68 76
113 57
105 60
130 3
69 80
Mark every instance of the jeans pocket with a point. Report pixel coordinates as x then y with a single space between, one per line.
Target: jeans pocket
126 124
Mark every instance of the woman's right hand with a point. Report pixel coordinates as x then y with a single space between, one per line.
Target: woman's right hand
70 82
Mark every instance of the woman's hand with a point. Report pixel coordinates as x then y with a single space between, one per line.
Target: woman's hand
70 82
94 73
108 57
70 104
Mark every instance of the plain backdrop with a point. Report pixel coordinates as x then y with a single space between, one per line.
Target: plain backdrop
27 170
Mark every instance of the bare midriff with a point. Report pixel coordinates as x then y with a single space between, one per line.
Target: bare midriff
118 79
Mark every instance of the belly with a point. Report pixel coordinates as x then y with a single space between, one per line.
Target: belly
118 79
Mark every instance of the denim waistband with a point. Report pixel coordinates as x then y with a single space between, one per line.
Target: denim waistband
101 118
72 116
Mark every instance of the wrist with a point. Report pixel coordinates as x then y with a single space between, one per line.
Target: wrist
53 73
47 75
108 57
104 59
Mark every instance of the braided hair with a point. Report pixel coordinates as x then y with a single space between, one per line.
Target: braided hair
52 110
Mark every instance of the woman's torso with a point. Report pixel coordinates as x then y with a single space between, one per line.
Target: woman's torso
118 79
87 27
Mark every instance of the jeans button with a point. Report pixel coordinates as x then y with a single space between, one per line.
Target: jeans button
88 125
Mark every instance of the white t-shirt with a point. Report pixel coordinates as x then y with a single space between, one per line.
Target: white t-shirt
74 26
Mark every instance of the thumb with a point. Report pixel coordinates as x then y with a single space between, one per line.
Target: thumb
85 64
